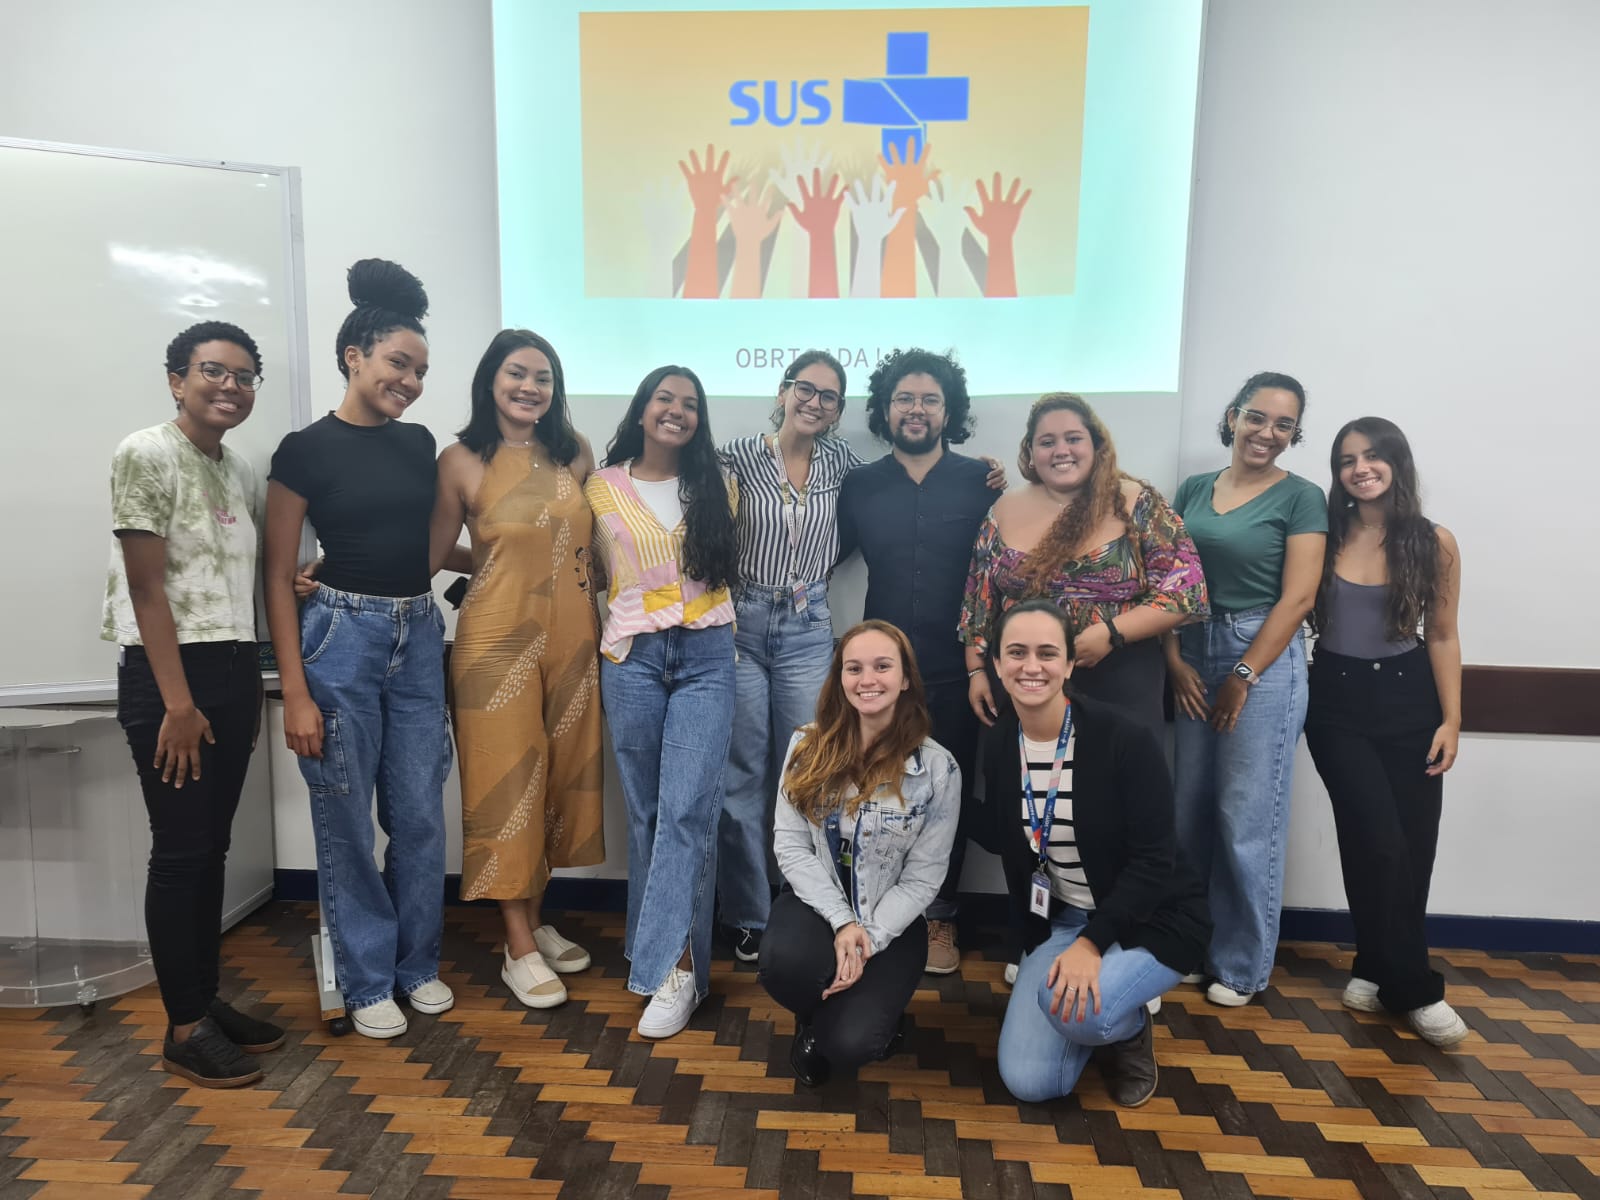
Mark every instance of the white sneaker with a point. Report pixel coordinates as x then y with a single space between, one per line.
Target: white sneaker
381 1020
559 954
1221 993
671 1007
1194 977
532 981
1154 1006
1438 1023
1011 974
434 996
1361 995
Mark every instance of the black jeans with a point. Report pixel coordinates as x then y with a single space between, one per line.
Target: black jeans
1369 725
190 826
956 728
798 963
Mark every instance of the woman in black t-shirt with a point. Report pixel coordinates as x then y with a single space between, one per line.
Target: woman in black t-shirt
362 666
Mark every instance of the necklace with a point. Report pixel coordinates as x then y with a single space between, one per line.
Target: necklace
527 445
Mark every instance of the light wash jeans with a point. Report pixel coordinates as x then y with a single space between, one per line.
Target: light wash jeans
1042 1056
669 706
375 667
784 658
1232 795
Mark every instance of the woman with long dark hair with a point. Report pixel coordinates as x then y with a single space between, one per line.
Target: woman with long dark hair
865 818
1102 545
1239 678
664 537
1385 714
362 666
524 672
180 602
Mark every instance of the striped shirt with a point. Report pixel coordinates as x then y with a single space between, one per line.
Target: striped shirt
787 536
644 563
1068 883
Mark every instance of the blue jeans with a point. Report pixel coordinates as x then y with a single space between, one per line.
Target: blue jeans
375 667
1232 795
784 659
1041 1056
669 706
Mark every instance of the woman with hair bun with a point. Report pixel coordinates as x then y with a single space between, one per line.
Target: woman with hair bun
1384 717
362 666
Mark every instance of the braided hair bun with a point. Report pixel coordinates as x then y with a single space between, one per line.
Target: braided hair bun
386 297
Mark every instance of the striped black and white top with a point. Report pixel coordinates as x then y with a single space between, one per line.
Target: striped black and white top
768 506
1067 880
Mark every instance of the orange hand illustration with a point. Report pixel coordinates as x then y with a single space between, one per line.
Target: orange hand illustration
817 214
707 189
751 225
998 223
910 178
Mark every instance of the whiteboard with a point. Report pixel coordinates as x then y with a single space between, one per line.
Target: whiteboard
106 256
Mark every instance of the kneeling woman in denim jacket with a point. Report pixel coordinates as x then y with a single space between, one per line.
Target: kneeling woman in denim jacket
866 815
1083 822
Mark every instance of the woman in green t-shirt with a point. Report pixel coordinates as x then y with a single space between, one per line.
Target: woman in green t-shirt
1239 678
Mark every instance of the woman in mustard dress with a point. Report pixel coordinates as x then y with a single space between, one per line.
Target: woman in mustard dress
524 669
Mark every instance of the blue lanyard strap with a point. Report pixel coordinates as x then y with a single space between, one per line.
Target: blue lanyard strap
1039 831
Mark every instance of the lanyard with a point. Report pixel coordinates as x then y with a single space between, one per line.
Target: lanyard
1039 831
793 501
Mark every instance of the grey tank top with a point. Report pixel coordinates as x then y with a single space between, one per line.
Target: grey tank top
1356 622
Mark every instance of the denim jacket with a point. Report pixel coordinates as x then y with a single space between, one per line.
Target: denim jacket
901 851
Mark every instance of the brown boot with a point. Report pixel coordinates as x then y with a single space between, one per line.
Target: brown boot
944 958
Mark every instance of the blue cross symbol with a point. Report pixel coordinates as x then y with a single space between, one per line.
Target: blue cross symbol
906 97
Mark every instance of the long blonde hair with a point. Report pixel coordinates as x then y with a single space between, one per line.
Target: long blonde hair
1065 538
829 759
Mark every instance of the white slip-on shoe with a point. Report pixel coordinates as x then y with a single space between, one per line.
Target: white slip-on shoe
671 1007
434 996
1153 1006
560 955
1194 977
532 981
1221 993
1438 1023
1011 974
1361 995
381 1020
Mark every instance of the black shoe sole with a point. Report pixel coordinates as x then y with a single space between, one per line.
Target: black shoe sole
231 1081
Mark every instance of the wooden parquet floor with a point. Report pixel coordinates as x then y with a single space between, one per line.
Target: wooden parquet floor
1293 1097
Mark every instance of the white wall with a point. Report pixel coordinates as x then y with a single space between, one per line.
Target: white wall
1394 202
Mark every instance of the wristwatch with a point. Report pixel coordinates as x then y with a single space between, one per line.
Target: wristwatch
1117 640
1245 672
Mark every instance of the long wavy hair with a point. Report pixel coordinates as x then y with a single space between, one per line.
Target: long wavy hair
1410 542
829 758
711 541
554 431
1065 538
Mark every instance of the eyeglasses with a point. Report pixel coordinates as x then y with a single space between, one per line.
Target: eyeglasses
905 402
1255 419
805 393
248 381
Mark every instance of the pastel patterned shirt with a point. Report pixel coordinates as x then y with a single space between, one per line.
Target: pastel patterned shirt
1161 569
643 561
162 483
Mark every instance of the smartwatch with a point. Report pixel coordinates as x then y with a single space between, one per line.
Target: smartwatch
1117 640
1245 672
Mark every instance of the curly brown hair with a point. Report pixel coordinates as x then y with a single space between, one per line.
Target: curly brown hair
829 758
1064 540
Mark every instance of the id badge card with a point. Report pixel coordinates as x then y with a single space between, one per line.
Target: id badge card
1039 895
846 858
800 598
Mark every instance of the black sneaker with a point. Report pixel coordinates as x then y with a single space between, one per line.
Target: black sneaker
208 1058
810 1067
1129 1067
897 1041
250 1034
746 944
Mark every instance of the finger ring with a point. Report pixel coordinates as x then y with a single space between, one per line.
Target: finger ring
1071 990
858 951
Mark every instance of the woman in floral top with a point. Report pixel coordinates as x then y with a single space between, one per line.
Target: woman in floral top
1101 544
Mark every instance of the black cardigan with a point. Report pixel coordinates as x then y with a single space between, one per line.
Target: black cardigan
1122 816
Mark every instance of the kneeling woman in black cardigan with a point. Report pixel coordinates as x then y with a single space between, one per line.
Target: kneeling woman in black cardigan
1082 817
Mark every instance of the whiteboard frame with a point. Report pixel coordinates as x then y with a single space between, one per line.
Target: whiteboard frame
94 691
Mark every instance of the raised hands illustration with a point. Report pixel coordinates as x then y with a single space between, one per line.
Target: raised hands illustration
751 224
708 190
816 210
997 220
874 215
911 178
800 163
666 217
944 212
